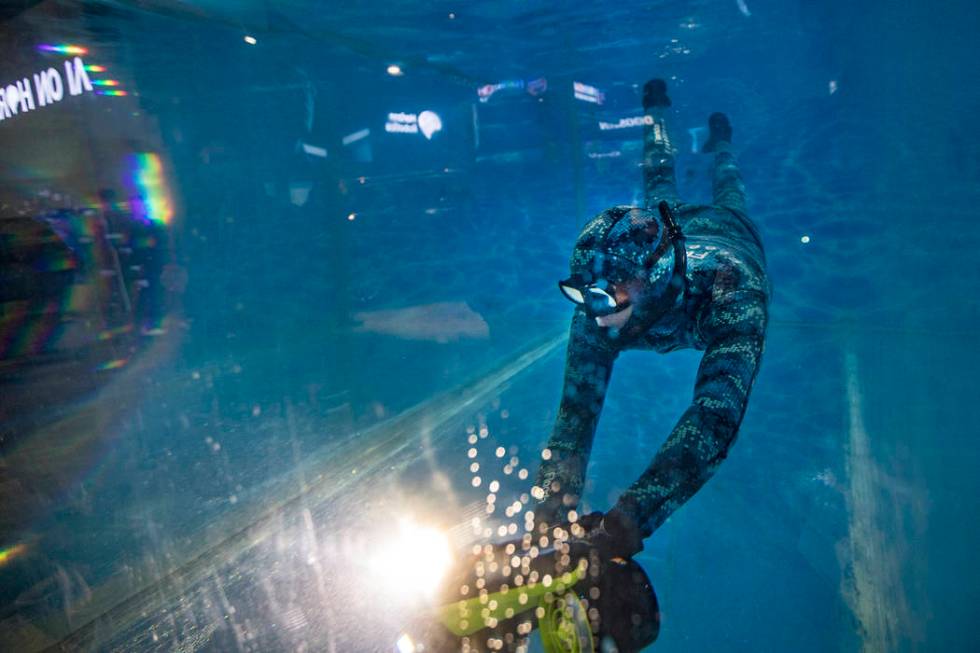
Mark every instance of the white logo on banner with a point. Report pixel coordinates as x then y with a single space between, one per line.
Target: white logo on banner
429 123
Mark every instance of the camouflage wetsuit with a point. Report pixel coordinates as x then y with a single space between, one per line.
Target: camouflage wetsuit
723 311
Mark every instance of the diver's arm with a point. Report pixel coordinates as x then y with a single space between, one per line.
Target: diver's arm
588 366
701 439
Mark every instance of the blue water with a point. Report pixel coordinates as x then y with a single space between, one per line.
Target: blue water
224 383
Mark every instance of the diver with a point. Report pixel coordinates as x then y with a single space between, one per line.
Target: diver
662 277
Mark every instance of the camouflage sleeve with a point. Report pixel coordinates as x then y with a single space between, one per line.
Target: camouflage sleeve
588 367
735 328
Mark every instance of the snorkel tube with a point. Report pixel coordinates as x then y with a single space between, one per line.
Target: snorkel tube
656 308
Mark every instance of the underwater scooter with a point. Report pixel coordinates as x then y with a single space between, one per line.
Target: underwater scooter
554 580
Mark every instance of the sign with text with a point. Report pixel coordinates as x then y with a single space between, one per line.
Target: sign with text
588 93
427 122
624 123
42 89
534 87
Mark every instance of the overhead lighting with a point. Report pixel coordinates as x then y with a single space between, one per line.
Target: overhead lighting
250 39
314 150
355 136
395 70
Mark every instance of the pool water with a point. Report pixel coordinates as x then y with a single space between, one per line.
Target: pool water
279 327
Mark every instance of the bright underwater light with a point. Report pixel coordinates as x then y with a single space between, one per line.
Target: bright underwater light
405 644
412 561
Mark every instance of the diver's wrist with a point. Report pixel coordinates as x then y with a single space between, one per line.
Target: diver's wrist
624 531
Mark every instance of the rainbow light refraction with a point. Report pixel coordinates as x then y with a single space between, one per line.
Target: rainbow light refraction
11 552
113 93
93 68
63 48
105 82
152 187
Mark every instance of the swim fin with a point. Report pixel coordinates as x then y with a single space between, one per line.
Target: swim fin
655 94
719 131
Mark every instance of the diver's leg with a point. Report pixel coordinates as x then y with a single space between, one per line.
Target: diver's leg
659 179
726 182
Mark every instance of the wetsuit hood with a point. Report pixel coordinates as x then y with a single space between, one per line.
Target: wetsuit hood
632 248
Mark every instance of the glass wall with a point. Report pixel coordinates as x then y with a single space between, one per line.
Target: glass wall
280 337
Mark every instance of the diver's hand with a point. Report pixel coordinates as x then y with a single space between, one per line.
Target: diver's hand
613 534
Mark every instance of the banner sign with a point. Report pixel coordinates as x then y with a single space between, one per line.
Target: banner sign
43 88
428 122
588 93
624 123
534 87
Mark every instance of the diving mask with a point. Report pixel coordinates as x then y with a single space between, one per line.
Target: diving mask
597 299
628 248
